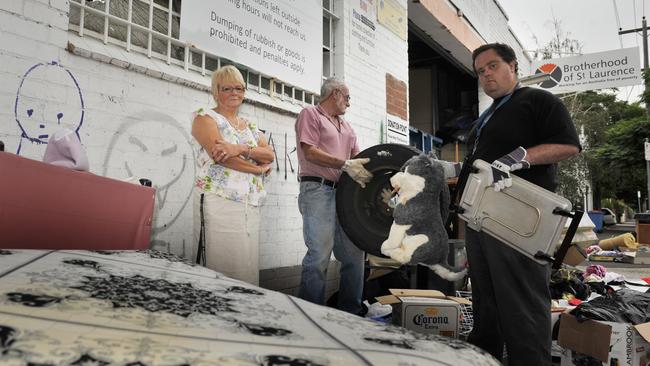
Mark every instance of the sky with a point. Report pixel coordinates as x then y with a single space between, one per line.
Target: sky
594 23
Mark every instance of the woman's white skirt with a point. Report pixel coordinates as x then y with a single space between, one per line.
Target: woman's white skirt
231 236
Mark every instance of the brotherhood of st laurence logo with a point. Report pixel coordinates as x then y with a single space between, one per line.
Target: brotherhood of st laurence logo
556 75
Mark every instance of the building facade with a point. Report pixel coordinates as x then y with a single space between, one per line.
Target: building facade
116 72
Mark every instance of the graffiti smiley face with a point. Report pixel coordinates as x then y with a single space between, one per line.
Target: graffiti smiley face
48 99
153 145
165 151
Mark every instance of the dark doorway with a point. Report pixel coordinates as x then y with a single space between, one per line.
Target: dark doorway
443 96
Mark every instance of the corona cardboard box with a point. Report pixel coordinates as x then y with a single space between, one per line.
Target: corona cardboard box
425 311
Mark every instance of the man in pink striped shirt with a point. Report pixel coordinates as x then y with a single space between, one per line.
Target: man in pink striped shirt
325 143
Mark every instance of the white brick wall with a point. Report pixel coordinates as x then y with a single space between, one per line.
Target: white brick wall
367 82
13 7
131 122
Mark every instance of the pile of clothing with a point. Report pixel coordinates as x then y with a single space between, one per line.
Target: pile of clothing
575 286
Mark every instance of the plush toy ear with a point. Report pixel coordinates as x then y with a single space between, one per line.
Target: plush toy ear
409 161
432 156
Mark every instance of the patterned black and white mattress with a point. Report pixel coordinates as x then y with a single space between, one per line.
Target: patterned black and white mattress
150 308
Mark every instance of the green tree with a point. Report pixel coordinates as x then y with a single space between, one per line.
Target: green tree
622 157
621 154
594 113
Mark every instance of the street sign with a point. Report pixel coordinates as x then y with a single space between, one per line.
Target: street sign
600 70
397 130
646 146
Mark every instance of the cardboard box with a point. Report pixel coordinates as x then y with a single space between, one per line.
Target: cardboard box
574 256
642 228
609 342
583 237
425 311
642 255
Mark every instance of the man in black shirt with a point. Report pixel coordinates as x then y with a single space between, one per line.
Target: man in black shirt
525 131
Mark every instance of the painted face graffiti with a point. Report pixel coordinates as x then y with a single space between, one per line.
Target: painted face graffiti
136 152
48 98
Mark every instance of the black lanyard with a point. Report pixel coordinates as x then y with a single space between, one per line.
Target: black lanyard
485 116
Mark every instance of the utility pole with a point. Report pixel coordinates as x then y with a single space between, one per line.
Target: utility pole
646 148
644 33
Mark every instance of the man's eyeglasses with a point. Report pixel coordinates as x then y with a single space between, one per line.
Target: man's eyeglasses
230 89
346 97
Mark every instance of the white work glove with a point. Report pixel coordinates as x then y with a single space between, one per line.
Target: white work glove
388 198
356 171
502 167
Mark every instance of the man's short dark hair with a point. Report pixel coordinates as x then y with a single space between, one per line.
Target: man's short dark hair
503 50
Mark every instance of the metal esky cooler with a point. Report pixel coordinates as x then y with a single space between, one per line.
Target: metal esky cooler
522 216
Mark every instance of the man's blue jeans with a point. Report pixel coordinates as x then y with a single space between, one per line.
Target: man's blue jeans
323 233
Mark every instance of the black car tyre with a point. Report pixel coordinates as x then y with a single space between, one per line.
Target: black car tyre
363 215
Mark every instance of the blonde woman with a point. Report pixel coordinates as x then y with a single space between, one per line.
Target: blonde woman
232 159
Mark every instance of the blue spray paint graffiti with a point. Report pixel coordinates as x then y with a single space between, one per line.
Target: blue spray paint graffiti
48 98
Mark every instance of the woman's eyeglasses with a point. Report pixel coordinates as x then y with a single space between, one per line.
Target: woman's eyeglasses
230 89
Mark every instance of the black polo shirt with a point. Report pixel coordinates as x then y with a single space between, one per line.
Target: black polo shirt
531 117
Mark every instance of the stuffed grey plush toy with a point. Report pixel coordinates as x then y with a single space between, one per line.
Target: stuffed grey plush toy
418 232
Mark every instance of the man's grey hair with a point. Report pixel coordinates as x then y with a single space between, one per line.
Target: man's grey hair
329 85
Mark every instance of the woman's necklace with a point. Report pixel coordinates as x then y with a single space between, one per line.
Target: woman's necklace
239 127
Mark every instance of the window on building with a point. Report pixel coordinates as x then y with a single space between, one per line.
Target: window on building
328 33
152 27
329 23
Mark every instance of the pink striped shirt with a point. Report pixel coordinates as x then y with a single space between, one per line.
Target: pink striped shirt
313 127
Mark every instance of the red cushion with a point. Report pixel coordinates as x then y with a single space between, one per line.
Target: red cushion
43 206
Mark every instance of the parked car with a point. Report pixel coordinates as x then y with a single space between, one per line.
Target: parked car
609 217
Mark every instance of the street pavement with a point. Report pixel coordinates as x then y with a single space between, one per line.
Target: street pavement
630 271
